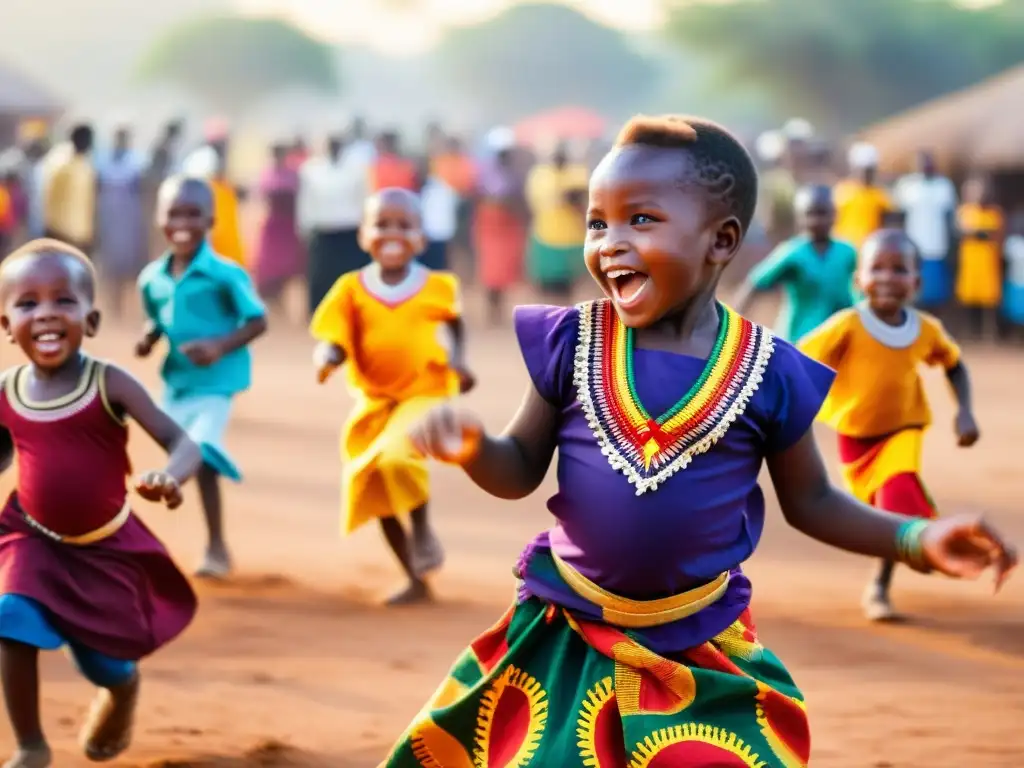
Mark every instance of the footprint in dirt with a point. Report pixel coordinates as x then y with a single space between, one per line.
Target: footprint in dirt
268 754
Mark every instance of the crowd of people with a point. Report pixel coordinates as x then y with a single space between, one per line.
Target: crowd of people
661 403
497 213
971 247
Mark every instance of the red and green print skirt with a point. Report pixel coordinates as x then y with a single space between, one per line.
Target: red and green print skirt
544 689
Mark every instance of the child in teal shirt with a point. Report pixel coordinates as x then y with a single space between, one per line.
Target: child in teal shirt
814 270
208 311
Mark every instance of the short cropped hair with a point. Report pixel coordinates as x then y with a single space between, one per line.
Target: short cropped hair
81 137
721 164
893 235
175 185
48 246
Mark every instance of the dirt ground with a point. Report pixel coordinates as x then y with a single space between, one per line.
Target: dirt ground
295 664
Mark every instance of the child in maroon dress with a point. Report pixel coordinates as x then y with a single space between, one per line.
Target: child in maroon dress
77 568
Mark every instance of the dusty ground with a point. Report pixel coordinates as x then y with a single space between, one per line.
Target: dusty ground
296 665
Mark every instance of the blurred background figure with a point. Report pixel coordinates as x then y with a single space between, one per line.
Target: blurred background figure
122 234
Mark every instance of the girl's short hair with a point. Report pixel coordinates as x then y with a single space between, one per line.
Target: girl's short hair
721 164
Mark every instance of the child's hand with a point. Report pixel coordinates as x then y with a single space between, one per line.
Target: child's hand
448 435
202 353
159 486
466 378
966 429
964 546
144 346
326 358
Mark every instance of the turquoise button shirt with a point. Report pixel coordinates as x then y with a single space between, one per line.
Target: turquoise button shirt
816 285
213 297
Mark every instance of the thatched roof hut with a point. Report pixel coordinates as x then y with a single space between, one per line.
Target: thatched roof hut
22 98
980 128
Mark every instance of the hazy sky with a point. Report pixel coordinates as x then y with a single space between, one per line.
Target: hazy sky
369 21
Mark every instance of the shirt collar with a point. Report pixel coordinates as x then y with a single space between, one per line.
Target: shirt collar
203 262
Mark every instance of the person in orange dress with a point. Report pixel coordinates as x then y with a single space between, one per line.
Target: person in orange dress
877 403
862 204
979 278
383 323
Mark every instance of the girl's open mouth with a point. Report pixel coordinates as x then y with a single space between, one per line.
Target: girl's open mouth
627 286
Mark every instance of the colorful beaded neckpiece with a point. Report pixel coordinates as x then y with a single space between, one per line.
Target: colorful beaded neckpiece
649 449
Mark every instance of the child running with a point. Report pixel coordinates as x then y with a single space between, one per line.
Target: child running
77 568
815 270
209 312
877 403
383 321
631 634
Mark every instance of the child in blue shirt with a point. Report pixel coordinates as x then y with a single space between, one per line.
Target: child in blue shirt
208 310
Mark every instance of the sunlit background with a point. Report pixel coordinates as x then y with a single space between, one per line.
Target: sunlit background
284 68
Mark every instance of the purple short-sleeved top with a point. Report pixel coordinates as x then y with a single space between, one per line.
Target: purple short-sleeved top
701 521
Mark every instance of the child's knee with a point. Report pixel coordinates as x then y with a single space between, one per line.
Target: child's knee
101 670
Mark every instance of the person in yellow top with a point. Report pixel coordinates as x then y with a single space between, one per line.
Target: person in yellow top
387 322
70 194
862 205
556 193
979 279
877 403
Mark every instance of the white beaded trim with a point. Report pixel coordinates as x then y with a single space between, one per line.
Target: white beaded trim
675 458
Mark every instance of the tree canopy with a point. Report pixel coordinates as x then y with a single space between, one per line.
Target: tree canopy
233 62
844 63
536 56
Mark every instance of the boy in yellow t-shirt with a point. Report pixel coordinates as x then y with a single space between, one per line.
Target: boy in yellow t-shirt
877 403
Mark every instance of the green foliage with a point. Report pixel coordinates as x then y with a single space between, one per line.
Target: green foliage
233 62
844 63
537 56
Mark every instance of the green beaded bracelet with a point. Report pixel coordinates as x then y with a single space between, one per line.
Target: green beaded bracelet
908 544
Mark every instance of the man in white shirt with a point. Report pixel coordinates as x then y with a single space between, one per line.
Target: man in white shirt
928 202
332 191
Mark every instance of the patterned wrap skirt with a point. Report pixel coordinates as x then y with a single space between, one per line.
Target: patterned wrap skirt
548 686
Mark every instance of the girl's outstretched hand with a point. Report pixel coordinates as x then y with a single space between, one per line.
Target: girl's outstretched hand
448 435
964 546
159 486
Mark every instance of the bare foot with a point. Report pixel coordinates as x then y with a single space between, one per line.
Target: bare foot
415 592
37 756
108 729
877 606
216 565
427 553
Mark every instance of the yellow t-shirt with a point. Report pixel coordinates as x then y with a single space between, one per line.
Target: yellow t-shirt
71 201
555 222
878 388
394 347
859 211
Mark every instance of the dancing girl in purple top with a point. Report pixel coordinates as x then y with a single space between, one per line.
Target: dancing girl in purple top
631 643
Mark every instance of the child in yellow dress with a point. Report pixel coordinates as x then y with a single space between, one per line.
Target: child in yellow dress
877 403
979 280
385 321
